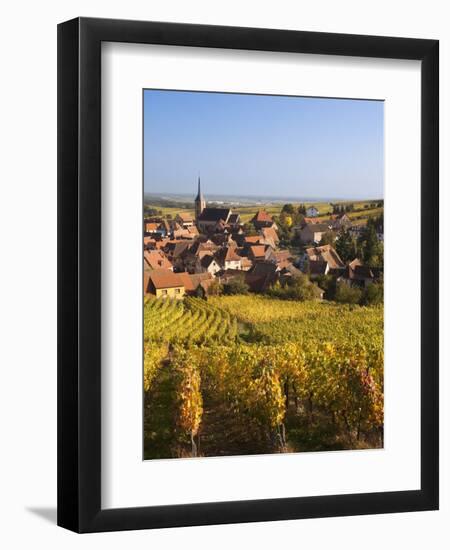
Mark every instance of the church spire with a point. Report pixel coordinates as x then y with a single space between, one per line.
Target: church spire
200 203
199 193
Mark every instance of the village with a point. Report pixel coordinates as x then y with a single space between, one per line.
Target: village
213 251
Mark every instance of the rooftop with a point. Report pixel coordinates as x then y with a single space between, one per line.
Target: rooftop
262 216
164 278
214 214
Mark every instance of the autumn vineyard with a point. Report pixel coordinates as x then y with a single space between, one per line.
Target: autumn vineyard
248 374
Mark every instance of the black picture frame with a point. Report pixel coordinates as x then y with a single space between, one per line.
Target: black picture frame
79 274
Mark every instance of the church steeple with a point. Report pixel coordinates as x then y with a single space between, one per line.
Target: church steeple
200 202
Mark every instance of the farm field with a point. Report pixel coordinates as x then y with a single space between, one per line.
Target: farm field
250 374
247 212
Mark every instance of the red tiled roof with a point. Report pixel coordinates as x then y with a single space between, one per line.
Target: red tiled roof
185 216
258 251
281 255
164 278
151 226
191 281
156 259
252 239
228 254
262 216
161 244
325 253
270 233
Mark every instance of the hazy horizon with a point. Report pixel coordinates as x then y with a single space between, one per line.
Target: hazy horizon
263 146
276 198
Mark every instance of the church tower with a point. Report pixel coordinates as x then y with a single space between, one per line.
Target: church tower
200 203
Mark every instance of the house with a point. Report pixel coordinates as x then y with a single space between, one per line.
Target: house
202 247
221 227
228 258
261 276
156 259
246 264
208 219
192 282
269 236
192 257
251 240
313 232
317 268
234 221
184 219
176 249
154 243
312 212
150 228
222 239
325 253
258 252
357 274
180 232
207 264
288 272
156 228
279 257
149 242
193 232
163 283
164 228
341 221
262 219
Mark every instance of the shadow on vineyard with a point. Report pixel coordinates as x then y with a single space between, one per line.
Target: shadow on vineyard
243 375
159 416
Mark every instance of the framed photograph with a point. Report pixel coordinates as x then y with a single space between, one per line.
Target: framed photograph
248 275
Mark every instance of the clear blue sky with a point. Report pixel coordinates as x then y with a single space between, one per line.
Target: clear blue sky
263 145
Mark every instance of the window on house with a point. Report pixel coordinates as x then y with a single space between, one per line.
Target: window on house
164 292
177 291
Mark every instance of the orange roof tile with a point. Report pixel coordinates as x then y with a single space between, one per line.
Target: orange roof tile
258 250
262 216
164 278
156 259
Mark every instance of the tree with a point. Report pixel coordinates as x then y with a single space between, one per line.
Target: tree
236 286
371 250
328 284
345 246
347 294
215 288
327 238
373 294
200 292
298 288
288 208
